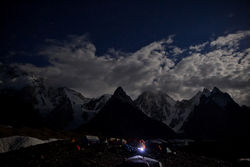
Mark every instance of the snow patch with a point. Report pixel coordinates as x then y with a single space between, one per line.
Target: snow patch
77 102
16 142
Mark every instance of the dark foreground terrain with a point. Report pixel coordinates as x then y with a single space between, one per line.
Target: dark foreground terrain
65 153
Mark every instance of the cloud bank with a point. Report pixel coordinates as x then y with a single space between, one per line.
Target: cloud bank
220 62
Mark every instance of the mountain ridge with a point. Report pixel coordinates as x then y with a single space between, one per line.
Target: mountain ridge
121 117
41 104
188 116
64 108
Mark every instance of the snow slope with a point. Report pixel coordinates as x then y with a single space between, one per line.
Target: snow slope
77 101
16 142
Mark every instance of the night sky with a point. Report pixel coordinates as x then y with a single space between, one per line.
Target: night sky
178 47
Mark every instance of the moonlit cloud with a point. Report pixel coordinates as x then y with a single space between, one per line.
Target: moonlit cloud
170 39
176 50
199 47
220 63
230 40
74 64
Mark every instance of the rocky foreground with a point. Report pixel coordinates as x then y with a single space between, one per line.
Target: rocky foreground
65 153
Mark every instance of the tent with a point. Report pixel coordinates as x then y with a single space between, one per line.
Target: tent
89 140
140 161
157 146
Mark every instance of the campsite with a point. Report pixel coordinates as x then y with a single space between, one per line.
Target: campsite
81 149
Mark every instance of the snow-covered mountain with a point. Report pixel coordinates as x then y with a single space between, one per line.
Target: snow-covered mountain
58 107
26 99
218 116
176 114
157 105
162 107
121 117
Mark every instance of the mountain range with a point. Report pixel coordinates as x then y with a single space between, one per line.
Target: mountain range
121 117
26 100
207 115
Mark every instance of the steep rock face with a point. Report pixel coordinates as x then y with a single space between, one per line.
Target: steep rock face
184 108
161 107
121 117
17 109
208 114
218 116
28 100
156 105
33 107
76 101
96 104
93 106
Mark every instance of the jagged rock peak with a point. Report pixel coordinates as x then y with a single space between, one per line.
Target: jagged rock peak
121 94
216 90
206 92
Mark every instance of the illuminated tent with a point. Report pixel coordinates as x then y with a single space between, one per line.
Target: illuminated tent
141 161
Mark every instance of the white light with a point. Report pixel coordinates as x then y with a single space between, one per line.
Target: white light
141 149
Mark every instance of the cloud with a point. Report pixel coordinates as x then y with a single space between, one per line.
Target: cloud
224 66
170 39
231 40
74 64
199 47
176 50
220 63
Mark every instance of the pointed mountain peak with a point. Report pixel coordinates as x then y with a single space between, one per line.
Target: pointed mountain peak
121 94
216 90
196 98
206 92
220 98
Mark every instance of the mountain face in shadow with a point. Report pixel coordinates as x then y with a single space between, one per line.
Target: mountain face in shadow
17 109
207 115
160 106
218 116
27 100
121 117
20 109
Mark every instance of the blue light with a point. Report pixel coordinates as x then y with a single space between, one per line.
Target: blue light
141 149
